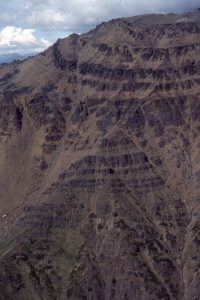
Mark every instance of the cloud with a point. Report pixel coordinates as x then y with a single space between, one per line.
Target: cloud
76 13
52 19
13 38
70 14
48 17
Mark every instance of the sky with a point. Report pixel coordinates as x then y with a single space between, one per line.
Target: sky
28 26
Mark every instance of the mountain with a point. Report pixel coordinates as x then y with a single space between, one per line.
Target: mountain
100 165
10 57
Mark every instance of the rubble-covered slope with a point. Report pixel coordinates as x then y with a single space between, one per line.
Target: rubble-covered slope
100 165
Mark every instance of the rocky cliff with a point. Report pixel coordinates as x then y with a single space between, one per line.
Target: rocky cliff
100 165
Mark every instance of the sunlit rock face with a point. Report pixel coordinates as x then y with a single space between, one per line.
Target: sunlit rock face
100 165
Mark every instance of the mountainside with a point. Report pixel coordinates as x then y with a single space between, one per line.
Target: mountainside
100 165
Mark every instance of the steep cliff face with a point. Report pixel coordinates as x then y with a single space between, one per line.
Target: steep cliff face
100 165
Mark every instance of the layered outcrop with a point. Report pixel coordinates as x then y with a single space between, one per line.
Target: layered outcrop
99 164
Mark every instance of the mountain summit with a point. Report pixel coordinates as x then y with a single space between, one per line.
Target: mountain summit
100 165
